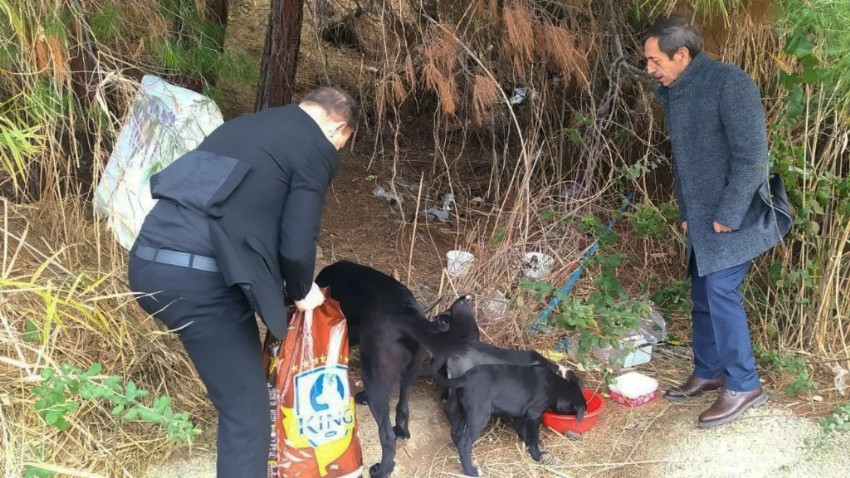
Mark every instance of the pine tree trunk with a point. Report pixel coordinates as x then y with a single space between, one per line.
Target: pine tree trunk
280 55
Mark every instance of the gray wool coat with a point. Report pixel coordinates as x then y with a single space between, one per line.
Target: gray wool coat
716 123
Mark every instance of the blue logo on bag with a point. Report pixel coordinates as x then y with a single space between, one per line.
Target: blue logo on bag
327 392
323 404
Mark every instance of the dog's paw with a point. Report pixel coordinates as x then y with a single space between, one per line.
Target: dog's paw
548 459
360 398
476 473
401 433
375 471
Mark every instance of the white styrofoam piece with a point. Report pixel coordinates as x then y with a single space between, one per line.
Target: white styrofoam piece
633 385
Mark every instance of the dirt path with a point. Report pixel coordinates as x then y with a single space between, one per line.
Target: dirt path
658 440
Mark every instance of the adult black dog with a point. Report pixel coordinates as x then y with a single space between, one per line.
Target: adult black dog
521 393
391 329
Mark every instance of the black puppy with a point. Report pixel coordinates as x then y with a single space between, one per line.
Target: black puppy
460 348
391 329
521 393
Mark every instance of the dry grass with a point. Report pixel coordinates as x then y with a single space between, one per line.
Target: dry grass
519 38
74 293
390 92
485 95
438 73
559 46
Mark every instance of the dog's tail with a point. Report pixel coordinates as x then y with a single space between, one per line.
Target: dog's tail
563 371
427 332
431 306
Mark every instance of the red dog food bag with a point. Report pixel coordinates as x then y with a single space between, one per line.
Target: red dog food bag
270 349
315 426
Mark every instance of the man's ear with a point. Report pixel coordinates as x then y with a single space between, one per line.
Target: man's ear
334 127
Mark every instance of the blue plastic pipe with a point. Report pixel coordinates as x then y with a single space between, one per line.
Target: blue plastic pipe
544 316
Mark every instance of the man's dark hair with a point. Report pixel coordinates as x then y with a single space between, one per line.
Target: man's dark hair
674 32
336 102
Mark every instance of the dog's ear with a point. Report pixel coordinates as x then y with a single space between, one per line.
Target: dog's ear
443 320
572 377
580 412
568 374
441 324
463 300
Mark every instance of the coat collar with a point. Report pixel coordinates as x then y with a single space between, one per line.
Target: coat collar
697 65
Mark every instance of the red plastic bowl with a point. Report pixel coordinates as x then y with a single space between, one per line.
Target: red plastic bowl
564 423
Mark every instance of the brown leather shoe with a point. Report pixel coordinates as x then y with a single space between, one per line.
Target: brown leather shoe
693 387
729 406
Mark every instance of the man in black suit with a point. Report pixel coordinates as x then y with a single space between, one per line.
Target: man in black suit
235 226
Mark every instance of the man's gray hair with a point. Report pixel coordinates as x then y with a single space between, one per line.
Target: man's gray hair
674 32
336 102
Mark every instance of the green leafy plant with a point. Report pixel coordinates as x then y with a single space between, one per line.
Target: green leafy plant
649 220
35 471
498 236
608 314
672 296
582 121
61 392
31 471
832 425
787 362
838 421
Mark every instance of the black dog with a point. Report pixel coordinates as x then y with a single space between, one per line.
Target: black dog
460 348
391 328
521 393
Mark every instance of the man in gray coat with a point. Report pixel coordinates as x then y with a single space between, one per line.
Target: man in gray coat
717 129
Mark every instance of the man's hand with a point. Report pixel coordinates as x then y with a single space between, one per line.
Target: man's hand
684 226
721 228
313 299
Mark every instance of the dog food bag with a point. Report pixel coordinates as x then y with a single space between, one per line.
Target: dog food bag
315 422
270 350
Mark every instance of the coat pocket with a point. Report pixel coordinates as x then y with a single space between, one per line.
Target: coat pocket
199 180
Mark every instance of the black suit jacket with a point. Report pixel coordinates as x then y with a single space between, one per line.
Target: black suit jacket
262 180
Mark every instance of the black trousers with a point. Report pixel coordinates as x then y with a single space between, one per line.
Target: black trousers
217 326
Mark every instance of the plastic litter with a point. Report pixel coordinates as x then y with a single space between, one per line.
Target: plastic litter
435 213
495 307
390 196
841 374
459 262
536 265
441 214
519 95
